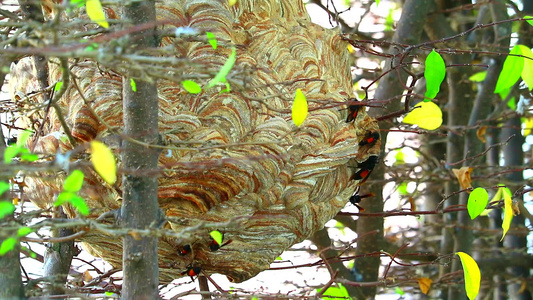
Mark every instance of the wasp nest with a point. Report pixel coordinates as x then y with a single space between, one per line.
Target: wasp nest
275 184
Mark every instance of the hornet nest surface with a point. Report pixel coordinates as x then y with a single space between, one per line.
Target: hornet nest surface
247 162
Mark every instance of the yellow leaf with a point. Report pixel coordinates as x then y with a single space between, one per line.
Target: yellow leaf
299 108
425 284
472 275
463 175
528 125
508 212
426 115
15 201
96 13
217 236
232 2
104 161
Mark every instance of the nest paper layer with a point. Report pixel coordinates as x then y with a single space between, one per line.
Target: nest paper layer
281 182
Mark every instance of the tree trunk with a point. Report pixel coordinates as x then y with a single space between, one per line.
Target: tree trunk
408 32
140 209
514 242
57 259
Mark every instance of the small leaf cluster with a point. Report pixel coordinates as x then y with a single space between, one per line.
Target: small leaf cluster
70 191
19 149
426 114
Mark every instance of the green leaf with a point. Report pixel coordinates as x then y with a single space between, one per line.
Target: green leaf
91 47
104 161
24 231
299 108
227 89
472 275
217 236
527 71
512 69
29 157
73 182
399 291
10 153
512 103
77 3
211 39
530 21
279 258
6 208
221 75
8 245
434 73
80 204
389 22
377 2
399 156
74 200
191 86
23 138
478 77
58 86
336 292
402 189
133 85
4 187
477 202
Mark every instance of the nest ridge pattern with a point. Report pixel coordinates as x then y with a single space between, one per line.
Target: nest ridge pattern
281 182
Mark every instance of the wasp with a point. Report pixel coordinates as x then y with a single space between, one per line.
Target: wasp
353 111
366 168
214 245
192 271
184 250
355 199
370 139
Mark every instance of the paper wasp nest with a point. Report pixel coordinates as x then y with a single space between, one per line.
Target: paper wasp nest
281 182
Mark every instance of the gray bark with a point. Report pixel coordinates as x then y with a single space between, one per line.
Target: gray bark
140 205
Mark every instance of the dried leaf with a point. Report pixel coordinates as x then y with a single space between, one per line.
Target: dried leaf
463 176
523 286
481 133
413 204
87 276
516 209
425 284
135 234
